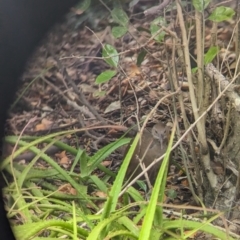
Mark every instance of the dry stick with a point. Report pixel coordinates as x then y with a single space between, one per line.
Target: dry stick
200 54
82 109
186 126
228 47
234 97
237 192
105 6
237 26
226 129
213 73
203 86
199 37
175 84
96 45
82 98
212 178
156 9
237 33
134 92
81 121
79 94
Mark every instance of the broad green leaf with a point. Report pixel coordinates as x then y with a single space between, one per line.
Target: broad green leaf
200 5
222 14
105 76
211 54
120 17
156 26
111 55
119 31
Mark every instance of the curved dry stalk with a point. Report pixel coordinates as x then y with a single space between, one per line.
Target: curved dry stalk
199 124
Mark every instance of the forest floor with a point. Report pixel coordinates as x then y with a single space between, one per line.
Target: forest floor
59 85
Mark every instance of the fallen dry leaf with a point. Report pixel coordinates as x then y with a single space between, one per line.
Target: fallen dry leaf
67 188
63 159
44 125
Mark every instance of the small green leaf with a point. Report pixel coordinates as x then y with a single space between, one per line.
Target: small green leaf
142 185
211 54
200 5
105 76
83 5
155 26
99 93
83 164
120 17
111 55
172 194
119 31
194 70
222 14
141 57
